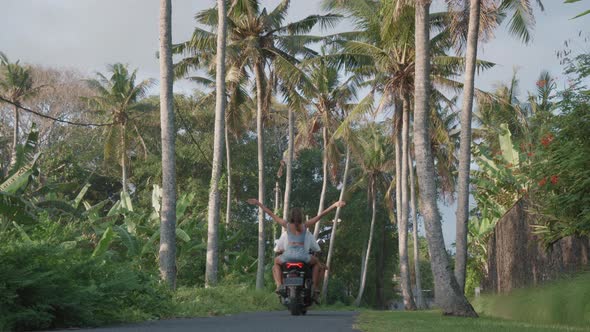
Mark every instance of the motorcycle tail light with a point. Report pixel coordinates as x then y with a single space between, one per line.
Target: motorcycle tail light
297 265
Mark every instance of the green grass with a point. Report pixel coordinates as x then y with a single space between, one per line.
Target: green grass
559 306
231 299
566 302
223 300
396 321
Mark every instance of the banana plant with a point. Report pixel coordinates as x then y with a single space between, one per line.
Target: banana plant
138 237
13 206
500 180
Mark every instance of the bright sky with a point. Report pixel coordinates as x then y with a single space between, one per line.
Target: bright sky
89 34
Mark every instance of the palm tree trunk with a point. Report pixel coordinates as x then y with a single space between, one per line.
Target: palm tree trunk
277 208
229 184
397 118
124 158
14 138
316 230
259 72
357 302
465 145
335 223
448 295
145 150
213 206
419 296
406 285
289 175
380 269
167 252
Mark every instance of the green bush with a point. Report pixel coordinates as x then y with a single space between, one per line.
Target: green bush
564 302
49 286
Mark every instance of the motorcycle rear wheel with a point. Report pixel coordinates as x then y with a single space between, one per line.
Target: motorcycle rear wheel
294 302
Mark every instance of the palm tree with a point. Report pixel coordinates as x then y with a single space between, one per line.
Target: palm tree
220 99
383 50
238 110
295 103
289 164
403 221
16 85
328 93
375 158
119 95
334 224
344 131
479 27
419 296
167 253
257 39
448 294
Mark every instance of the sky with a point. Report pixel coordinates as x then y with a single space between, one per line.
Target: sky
87 35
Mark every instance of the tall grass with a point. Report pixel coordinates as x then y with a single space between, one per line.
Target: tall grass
564 302
223 300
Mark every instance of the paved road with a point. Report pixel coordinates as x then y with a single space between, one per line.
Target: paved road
279 321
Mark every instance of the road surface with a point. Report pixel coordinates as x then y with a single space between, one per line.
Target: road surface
279 321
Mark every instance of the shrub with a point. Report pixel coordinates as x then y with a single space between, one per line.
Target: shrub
49 286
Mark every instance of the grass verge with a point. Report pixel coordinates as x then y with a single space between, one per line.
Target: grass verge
223 300
565 302
399 321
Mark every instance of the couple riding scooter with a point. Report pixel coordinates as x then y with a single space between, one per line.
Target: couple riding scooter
295 250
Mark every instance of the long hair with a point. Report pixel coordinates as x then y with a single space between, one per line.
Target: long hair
296 216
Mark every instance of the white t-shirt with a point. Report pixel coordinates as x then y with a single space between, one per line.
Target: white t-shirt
310 243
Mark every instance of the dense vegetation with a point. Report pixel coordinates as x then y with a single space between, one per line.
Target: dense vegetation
88 205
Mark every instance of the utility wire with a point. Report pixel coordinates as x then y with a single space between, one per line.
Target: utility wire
55 119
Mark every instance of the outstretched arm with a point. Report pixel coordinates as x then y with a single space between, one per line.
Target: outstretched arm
268 211
317 218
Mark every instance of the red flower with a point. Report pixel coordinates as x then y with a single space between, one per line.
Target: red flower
542 182
541 83
554 179
530 154
547 139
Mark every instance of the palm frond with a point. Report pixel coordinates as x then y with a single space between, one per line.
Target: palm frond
305 25
208 17
522 20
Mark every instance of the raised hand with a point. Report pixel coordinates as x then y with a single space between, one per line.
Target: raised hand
340 204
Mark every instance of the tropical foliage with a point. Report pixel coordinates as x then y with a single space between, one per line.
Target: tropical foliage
101 196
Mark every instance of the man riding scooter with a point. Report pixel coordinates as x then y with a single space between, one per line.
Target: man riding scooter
296 234
310 246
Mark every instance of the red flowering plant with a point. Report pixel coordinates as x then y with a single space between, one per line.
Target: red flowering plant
561 168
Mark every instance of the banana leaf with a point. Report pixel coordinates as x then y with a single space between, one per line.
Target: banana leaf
17 209
25 154
80 196
20 178
126 201
508 152
105 241
128 240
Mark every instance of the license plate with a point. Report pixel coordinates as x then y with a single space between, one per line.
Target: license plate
293 281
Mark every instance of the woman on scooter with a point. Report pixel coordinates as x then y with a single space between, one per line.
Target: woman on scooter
296 228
